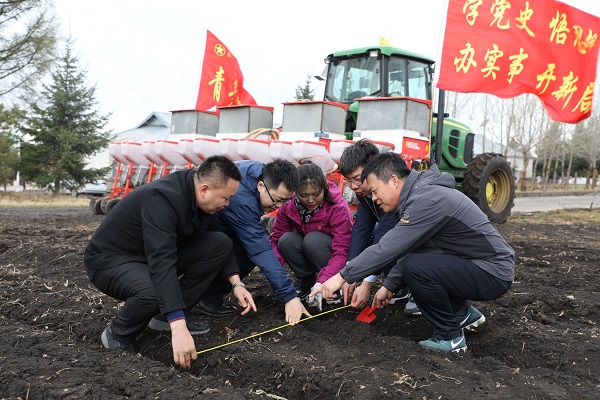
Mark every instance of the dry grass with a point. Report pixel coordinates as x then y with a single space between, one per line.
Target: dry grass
38 200
559 217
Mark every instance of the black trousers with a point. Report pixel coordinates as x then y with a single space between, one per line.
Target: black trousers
220 286
305 254
441 284
199 262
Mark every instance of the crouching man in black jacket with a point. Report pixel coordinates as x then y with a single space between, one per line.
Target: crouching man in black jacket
159 250
448 250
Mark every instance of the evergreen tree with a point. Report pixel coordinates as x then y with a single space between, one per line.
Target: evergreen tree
65 128
9 152
28 32
306 92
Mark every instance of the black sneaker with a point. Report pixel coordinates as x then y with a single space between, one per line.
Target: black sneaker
306 285
160 323
402 295
215 310
110 342
302 294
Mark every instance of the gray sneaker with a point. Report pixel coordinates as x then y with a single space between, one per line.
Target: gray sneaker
112 343
411 309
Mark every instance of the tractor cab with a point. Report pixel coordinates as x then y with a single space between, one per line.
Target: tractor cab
379 71
387 72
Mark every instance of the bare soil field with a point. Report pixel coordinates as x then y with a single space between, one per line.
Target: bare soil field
541 340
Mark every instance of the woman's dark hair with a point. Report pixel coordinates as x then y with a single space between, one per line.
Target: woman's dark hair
311 174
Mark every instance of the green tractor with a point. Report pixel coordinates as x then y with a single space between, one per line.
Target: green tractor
354 76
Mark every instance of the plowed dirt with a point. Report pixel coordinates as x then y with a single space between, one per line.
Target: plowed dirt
541 340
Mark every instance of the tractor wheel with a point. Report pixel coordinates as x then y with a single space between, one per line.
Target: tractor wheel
95 206
103 203
110 205
490 183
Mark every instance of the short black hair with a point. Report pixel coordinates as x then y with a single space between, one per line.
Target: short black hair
357 155
311 174
384 165
281 171
217 170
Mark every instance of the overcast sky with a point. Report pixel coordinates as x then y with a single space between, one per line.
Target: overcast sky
146 55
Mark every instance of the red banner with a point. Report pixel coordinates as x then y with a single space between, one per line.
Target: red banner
511 47
222 82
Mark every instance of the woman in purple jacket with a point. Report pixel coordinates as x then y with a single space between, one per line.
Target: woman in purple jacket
312 231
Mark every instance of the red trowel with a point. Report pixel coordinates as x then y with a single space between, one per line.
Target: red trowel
367 315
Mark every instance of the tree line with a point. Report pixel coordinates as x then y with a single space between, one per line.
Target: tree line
50 121
558 152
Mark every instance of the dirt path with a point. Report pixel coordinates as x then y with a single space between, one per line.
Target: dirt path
541 340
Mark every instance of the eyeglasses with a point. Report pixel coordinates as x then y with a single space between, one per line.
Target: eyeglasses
276 202
354 181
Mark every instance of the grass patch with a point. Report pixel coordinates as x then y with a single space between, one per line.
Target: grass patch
40 200
559 217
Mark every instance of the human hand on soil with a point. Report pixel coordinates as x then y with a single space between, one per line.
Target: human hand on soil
361 295
330 286
382 298
347 290
294 311
184 349
244 299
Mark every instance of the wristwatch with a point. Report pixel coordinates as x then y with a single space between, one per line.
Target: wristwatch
237 284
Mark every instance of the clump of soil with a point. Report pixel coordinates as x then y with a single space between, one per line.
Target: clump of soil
541 340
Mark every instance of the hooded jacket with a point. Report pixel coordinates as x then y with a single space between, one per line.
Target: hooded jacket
433 217
241 219
332 219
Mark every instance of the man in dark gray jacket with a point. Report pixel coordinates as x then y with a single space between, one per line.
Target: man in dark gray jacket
450 252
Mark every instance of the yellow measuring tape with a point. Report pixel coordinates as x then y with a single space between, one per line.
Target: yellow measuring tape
270 330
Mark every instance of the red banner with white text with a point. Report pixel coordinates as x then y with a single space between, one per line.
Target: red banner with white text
510 47
222 82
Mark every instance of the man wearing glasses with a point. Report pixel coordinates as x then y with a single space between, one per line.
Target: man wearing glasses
371 223
263 189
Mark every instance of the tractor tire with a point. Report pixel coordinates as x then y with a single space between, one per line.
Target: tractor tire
110 205
490 183
93 206
103 203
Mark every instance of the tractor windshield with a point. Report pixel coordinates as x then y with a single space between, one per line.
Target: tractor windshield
352 78
408 78
355 77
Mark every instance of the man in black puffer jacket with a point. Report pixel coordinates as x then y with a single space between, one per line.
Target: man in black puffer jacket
159 249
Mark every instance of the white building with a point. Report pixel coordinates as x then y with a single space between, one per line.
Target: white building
155 126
